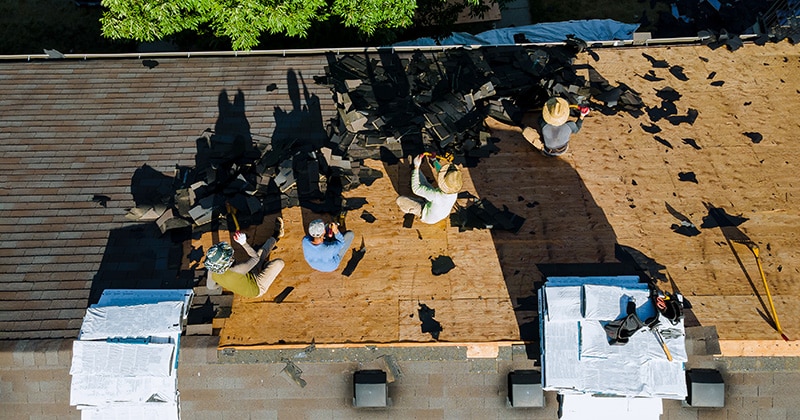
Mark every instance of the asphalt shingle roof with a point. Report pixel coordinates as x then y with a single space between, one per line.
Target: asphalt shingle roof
75 129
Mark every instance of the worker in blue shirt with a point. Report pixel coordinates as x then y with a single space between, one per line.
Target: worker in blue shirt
324 246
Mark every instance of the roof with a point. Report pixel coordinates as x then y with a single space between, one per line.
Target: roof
74 130
77 129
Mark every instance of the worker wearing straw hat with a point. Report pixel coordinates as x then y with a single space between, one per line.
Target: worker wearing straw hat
555 127
432 204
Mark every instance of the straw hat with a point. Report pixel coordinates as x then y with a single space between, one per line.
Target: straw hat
556 111
449 179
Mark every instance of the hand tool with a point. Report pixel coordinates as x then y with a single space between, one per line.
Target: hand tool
754 248
734 234
660 339
436 160
232 212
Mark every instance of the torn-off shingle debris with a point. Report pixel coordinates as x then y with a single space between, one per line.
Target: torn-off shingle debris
438 101
389 106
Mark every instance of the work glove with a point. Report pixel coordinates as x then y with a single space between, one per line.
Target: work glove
240 238
584 110
418 161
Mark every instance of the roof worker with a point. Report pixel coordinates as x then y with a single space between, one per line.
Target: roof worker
324 246
555 127
432 204
251 278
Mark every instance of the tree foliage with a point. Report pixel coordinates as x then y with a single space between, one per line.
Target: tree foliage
244 21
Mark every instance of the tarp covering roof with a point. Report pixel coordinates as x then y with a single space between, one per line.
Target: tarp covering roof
589 30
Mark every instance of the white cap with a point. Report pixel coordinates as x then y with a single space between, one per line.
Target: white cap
316 228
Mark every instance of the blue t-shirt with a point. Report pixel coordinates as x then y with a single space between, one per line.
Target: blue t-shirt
325 256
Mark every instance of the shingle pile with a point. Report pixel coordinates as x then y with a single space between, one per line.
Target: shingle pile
721 22
438 101
389 106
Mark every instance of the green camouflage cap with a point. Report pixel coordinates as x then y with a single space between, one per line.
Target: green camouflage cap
219 257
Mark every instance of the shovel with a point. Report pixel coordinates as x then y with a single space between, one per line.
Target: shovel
754 248
734 234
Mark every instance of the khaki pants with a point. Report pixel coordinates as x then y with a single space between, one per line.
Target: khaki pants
410 205
270 272
266 277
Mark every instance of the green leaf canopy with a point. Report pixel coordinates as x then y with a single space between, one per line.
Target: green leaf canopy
243 21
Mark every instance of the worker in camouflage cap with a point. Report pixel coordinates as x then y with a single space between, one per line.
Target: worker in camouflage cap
219 258
251 278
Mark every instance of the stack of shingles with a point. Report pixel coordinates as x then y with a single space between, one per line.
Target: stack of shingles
438 102
408 105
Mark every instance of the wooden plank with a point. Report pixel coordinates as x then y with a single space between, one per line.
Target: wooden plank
323 321
759 348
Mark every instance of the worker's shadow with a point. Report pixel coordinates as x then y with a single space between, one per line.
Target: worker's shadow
295 147
299 129
228 159
563 225
228 144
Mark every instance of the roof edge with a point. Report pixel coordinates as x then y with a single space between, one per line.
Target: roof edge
654 42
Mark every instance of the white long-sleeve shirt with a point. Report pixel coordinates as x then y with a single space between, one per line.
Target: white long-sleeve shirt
437 204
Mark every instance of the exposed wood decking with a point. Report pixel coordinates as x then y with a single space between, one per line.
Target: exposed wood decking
378 303
756 180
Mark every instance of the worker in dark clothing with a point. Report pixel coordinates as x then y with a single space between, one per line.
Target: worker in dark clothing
555 127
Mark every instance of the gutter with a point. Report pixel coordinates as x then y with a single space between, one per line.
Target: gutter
314 51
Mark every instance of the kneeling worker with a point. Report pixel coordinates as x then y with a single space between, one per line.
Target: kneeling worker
432 204
238 278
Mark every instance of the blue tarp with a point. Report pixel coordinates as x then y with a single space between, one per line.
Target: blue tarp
588 30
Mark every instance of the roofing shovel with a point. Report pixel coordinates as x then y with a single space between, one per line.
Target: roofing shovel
754 248
734 234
